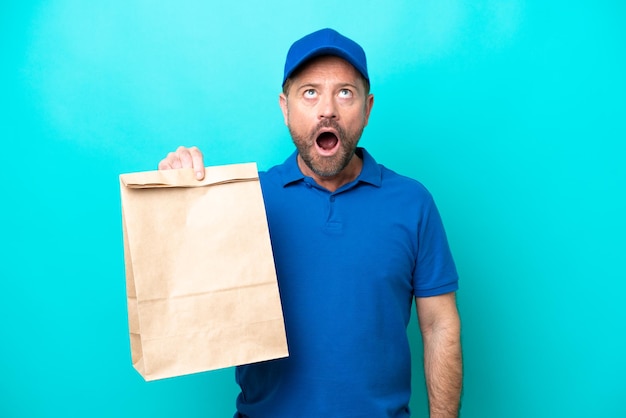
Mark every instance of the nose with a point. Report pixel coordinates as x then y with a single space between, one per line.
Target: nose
327 107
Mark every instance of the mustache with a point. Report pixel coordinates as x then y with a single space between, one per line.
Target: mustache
328 123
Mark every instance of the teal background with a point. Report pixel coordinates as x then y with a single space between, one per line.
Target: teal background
511 112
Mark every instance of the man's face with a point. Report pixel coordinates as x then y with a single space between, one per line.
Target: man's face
326 110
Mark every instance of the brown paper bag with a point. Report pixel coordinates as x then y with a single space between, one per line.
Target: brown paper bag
200 277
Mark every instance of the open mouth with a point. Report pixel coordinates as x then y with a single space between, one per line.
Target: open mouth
327 141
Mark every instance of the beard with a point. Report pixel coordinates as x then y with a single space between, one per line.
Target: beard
326 166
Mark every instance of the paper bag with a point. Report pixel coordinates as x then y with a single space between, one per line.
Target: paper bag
200 277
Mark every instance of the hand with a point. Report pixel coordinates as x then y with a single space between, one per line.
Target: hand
184 157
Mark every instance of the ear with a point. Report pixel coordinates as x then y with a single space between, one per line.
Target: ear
369 103
282 101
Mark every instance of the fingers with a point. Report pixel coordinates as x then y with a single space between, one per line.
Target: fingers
184 158
170 162
197 162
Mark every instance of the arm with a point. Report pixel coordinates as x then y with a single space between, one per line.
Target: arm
184 158
441 333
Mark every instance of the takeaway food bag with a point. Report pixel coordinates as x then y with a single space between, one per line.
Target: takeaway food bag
200 277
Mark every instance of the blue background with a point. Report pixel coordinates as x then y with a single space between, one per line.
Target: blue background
511 112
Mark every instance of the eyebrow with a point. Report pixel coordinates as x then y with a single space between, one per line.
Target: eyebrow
317 85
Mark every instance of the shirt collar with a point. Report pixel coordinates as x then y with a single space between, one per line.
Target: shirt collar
370 172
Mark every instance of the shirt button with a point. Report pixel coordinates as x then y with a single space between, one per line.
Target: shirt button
332 198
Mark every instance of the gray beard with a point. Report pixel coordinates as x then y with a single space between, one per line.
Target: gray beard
326 166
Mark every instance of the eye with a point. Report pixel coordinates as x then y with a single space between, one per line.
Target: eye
310 94
345 93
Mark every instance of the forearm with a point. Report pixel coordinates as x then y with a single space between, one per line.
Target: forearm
443 367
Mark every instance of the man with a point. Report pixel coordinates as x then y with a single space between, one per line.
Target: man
353 244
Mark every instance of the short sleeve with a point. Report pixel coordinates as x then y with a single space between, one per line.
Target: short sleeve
435 271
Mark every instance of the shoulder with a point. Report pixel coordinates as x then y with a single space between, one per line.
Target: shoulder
273 177
388 180
281 174
399 184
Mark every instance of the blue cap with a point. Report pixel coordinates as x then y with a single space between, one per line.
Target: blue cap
325 42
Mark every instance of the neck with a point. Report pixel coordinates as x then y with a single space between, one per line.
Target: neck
333 183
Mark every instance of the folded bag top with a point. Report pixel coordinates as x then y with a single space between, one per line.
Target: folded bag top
185 177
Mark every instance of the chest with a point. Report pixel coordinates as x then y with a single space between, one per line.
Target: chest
361 239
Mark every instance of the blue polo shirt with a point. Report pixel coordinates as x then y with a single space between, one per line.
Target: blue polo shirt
348 264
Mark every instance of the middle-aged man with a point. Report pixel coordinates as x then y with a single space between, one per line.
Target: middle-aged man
353 243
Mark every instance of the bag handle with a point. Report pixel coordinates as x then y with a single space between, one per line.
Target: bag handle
185 177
